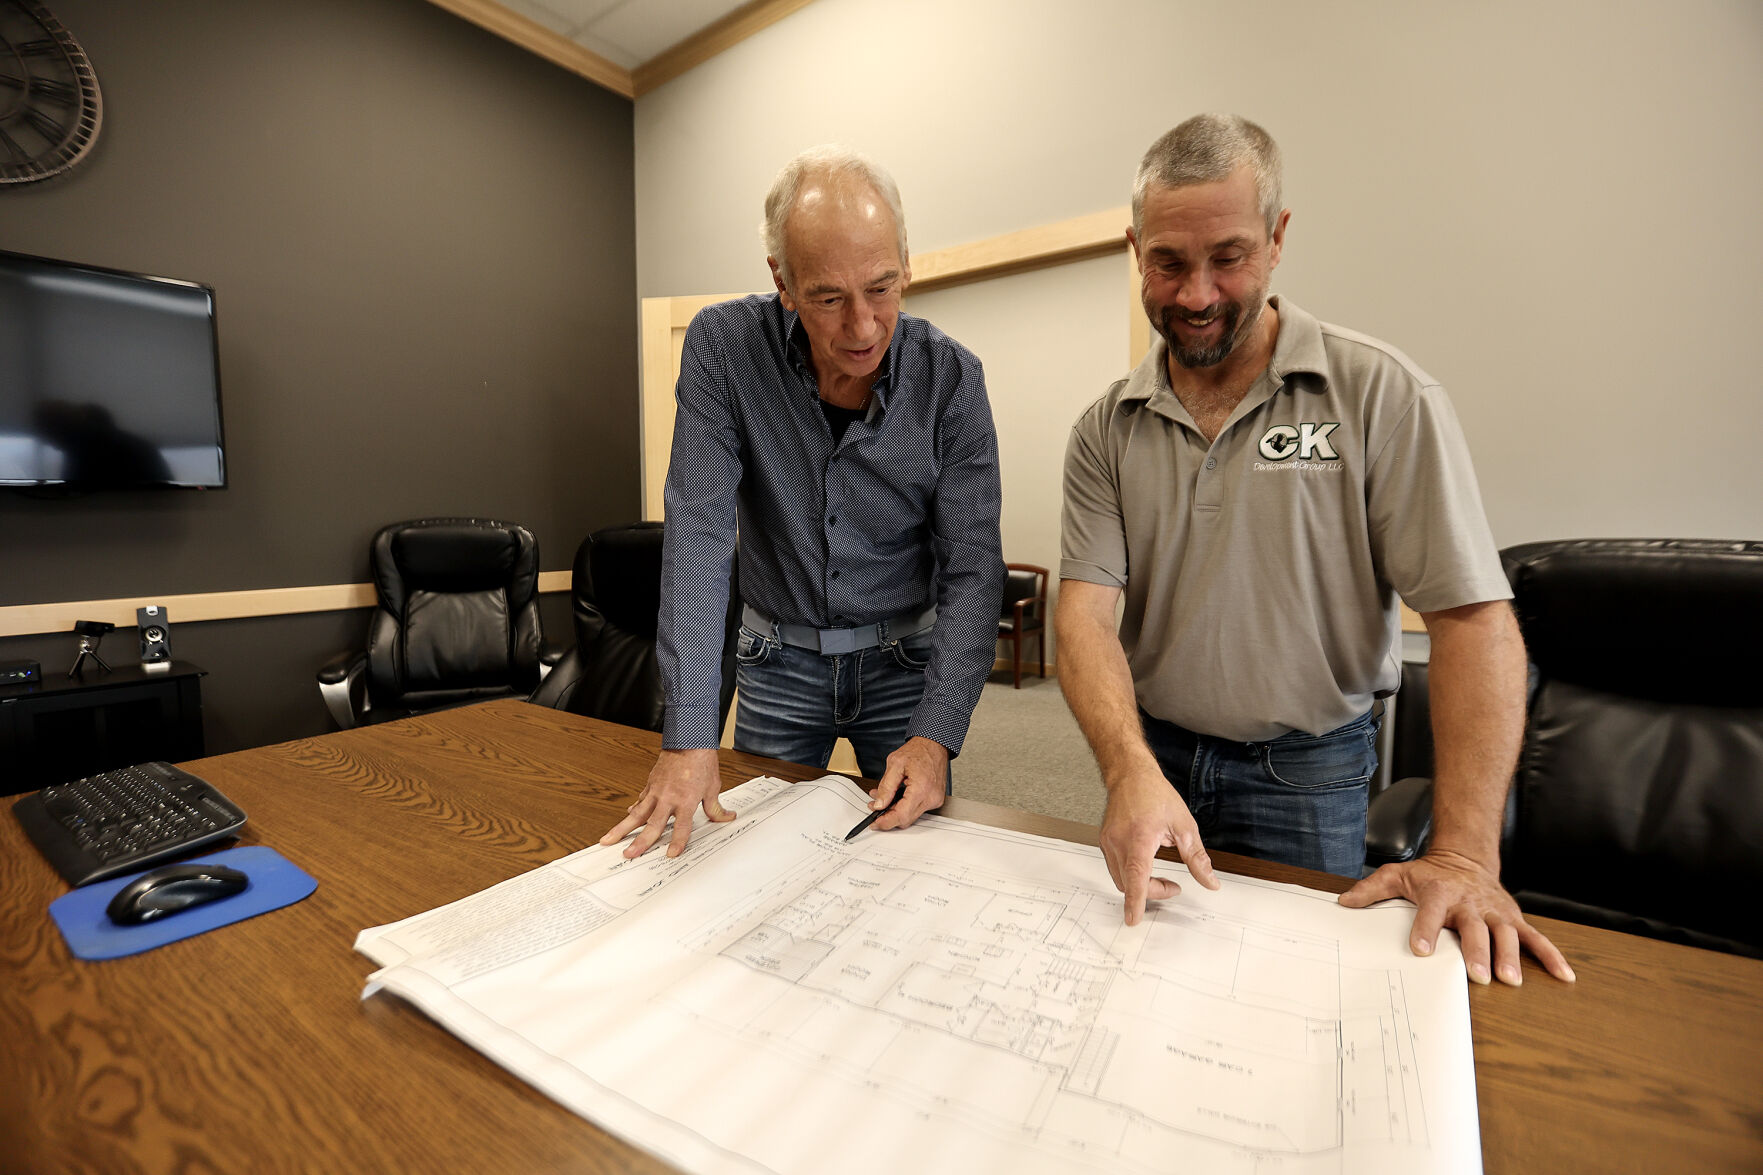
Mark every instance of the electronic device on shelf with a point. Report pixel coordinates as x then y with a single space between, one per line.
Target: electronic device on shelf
108 379
20 672
155 632
120 821
91 634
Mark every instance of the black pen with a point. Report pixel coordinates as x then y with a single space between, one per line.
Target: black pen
870 819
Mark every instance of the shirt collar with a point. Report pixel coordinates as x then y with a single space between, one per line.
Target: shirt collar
1299 345
798 348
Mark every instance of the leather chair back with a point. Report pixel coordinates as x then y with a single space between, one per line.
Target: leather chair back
458 615
612 672
1639 793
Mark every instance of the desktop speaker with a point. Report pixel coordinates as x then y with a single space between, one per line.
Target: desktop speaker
155 635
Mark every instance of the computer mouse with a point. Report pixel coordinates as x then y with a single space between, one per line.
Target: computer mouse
171 888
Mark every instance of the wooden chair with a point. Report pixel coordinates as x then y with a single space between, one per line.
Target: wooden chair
1024 613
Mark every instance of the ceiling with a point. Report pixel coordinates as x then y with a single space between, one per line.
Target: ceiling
628 46
627 33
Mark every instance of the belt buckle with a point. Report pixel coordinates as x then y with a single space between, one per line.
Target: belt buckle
835 642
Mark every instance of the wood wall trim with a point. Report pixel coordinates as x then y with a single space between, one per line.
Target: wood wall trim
706 43
681 311
34 619
536 38
1093 235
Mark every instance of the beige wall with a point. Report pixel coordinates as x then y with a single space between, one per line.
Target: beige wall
1037 392
1551 206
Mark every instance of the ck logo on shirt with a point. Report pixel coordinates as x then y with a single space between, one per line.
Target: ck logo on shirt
1307 442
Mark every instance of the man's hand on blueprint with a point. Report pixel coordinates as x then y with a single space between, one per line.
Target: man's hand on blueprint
921 766
678 783
1143 815
1457 891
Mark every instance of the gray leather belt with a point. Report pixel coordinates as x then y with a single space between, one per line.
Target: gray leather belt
834 641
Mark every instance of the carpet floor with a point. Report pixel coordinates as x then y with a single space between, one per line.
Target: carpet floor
1024 750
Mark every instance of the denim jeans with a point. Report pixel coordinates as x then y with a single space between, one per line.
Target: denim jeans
794 703
1298 799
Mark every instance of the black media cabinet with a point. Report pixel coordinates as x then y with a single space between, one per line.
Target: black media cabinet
64 727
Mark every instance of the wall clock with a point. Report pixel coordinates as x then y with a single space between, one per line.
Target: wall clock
50 108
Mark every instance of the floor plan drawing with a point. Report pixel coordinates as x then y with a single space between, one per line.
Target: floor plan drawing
949 997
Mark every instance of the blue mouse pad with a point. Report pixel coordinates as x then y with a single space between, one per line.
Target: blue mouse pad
275 882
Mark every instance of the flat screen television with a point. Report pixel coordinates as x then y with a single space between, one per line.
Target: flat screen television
108 380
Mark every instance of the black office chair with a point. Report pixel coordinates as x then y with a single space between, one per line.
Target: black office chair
1399 821
1024 614
612 672
1638 800
457 622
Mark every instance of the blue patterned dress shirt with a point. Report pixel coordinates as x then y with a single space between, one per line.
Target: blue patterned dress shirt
901 513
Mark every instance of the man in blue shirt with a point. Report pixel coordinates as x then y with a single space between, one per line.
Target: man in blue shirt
852 446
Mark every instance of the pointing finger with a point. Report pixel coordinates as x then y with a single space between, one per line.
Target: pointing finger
1137 873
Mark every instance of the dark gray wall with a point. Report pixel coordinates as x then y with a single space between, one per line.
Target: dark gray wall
421 243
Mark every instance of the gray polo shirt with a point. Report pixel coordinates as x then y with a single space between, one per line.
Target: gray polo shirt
1262 571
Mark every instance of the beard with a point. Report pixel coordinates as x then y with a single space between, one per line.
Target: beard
1239 320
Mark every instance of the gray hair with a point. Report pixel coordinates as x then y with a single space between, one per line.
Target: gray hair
1205 149
840 164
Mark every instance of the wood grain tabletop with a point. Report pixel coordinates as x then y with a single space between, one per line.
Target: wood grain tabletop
250 1048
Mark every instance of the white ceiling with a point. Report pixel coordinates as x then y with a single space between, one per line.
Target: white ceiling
625 32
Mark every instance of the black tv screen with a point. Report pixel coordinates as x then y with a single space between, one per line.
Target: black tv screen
107 379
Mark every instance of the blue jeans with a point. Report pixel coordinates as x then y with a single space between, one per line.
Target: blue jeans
1298 799
794 703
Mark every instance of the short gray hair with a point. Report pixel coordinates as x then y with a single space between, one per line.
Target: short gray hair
840 164
1205 149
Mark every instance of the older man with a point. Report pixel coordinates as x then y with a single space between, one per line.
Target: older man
854 446
1261 489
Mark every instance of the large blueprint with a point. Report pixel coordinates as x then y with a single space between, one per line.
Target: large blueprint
948 998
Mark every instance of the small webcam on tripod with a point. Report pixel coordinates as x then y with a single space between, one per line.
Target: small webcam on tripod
90 632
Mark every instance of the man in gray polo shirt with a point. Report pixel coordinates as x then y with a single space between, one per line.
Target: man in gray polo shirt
1261 490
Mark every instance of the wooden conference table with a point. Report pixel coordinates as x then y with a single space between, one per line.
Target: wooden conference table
249 1048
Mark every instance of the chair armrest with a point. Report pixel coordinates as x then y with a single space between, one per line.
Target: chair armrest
558 684
1398 822
341 667
342 684
550 653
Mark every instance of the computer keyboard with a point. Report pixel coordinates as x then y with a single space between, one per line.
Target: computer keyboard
124 820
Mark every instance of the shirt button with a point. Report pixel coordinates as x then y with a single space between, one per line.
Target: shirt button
1211 463
835 574
833 521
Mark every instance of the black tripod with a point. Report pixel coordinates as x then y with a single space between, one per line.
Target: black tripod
91 633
